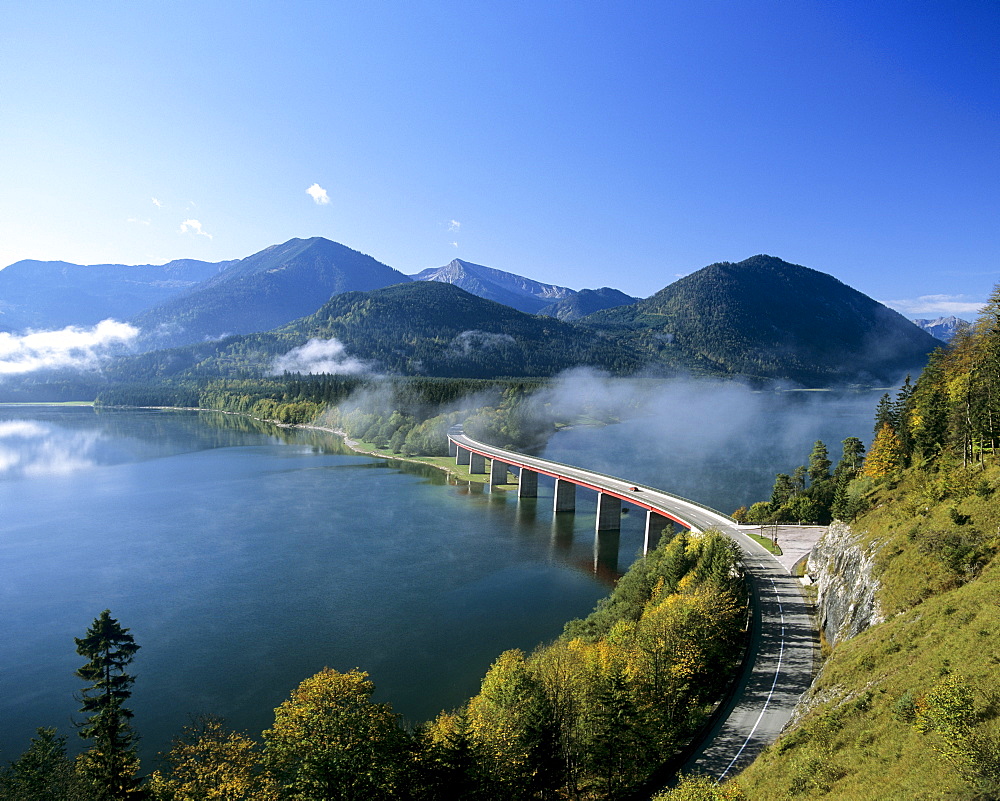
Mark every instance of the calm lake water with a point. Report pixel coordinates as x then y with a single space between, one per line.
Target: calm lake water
244 561
244 558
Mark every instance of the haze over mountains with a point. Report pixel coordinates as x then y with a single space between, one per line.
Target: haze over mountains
54 294
761 318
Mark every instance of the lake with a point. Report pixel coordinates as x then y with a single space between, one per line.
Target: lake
245 558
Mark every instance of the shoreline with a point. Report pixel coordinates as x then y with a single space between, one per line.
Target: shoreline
352 444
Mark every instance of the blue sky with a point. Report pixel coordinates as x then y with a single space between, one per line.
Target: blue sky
581 143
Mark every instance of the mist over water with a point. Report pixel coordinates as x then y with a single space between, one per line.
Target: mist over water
715 442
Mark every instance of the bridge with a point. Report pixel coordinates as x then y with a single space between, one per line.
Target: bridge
779 663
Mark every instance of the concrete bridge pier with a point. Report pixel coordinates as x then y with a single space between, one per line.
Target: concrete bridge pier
654 529
452 448
565 496
462 455
498 472
477 463
609 512
527 483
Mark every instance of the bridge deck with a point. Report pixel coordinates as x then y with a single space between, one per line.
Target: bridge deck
780 663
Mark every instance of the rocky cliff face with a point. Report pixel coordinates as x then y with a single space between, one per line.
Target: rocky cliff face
846 604
844 572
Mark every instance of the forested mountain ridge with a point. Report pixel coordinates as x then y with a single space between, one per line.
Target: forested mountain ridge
263 291
516 291
417 328
766 318
44 295
762 319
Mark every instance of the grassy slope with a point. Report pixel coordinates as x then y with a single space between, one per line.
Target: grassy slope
859 743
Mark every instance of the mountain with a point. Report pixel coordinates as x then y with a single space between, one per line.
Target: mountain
766 318
263 291
511 290
45 295
416 328
943 328
586 301
762 318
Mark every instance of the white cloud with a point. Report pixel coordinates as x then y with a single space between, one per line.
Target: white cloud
71 347
470 341
319 356
936 306
138 221
454 244
195 227
156 203
318 194
454 225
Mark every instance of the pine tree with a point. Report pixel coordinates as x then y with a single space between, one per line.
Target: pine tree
819 463
111 763
885 413
928 416
799 480
783 490
852 458
42 773
901 409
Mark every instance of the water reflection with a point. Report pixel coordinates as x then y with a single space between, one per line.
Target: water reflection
33 449
606 544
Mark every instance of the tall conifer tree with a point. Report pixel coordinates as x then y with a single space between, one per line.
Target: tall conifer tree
111 763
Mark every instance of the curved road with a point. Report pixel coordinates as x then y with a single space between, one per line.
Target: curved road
780 659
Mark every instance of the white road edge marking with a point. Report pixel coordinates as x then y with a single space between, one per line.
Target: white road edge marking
777 672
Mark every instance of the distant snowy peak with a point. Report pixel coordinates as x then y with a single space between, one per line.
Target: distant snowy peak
512 290
943 328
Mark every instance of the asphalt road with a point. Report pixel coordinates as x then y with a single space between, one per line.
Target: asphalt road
779 665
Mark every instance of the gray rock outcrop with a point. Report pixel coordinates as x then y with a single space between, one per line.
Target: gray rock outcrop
843 570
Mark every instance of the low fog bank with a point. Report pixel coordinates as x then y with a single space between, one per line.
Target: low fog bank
718 442
319 356
70 348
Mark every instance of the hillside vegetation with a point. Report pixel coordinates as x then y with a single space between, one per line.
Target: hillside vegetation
910 708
